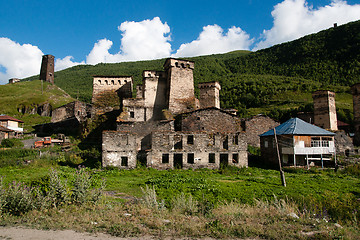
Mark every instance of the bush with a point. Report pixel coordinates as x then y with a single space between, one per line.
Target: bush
16 199
86 188
184 204
50 191
13 142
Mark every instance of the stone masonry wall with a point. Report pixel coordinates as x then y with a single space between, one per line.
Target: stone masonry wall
194 150
210 120
209 94
119 149
256 126
47 68
77 109
325 110
180 79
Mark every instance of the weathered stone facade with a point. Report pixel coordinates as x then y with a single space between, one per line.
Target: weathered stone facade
196 150
325 110
119 149
209 94
180 78
47 68
255 126
76 109
210 120
108 92
166 128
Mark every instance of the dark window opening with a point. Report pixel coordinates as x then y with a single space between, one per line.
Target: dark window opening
124 161
190 139
112 82
132 114
235 158
224 160
178 164
211 157
226 143
165 158
190 158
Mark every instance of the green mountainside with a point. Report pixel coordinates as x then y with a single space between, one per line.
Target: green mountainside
22 99
277 81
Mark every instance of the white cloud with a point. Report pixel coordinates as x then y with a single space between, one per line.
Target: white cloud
66 62
213 40
295 18
145 40
19 60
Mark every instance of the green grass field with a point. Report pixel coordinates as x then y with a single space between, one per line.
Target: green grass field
223 203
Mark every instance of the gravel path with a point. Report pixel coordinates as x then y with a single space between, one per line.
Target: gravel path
17 233
21 233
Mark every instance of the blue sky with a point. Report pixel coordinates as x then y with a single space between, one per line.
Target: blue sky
89 32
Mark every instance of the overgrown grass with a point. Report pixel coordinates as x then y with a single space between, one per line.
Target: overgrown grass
231 202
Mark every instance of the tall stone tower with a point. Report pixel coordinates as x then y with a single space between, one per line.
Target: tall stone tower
180 89
209 94
355 90
47 68
325 110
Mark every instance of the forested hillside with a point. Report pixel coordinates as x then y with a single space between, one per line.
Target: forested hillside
277 81
331 56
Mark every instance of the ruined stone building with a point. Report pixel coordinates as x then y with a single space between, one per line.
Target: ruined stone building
47 68
166 127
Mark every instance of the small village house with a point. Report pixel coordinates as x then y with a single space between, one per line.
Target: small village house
300 144
11 123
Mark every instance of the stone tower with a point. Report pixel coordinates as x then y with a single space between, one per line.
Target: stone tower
355 90
325 110
47 68
209 94
180 89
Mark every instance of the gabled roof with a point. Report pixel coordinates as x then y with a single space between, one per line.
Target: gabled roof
296 126
6 118
4 129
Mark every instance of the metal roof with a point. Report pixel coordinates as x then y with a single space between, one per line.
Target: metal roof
296 126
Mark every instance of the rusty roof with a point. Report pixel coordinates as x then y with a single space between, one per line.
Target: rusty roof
6 118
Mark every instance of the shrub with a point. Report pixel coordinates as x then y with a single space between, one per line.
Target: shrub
184 204
17 199
85 189
150 198
12 142
57 192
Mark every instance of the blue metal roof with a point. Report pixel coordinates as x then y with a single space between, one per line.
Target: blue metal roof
296 126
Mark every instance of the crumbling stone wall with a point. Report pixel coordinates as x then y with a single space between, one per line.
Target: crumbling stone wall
108 91
76 109
344 144
143 130
119 149
197 150
209 120
255 126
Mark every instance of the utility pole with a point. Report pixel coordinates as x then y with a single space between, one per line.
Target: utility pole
280 167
